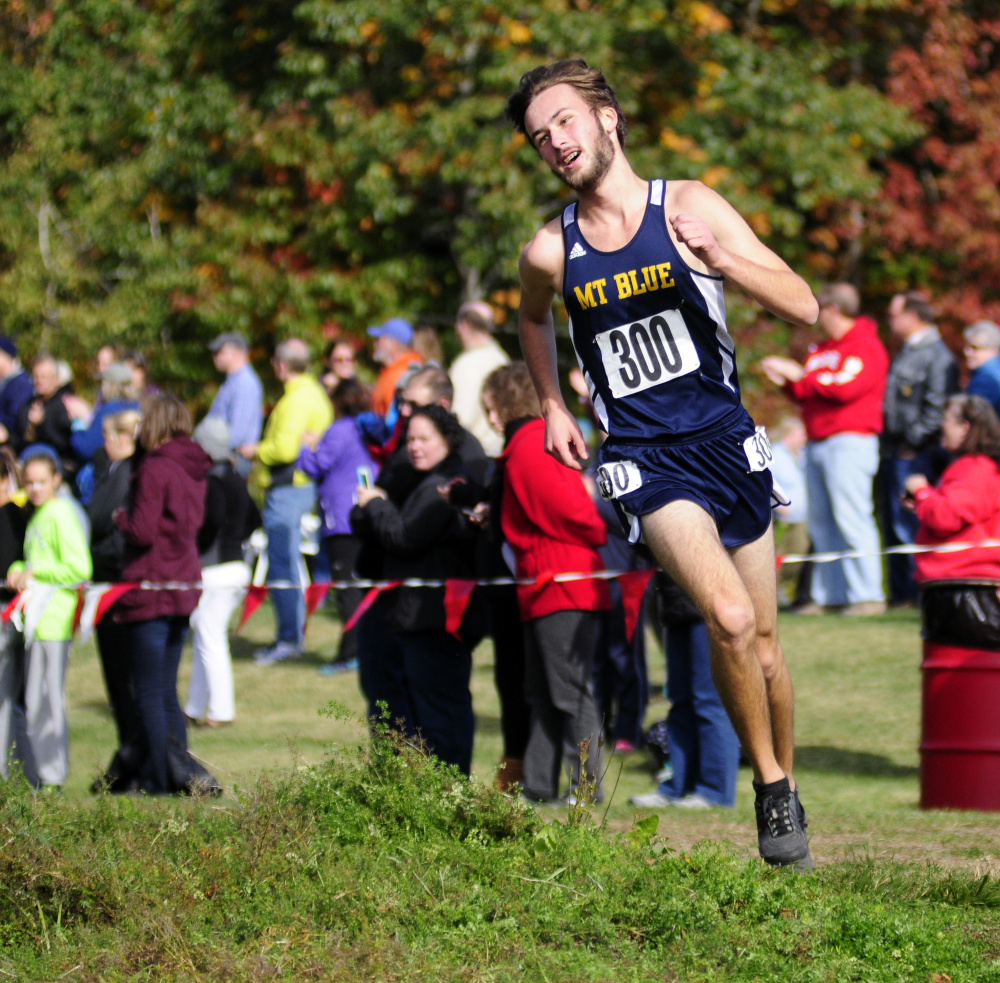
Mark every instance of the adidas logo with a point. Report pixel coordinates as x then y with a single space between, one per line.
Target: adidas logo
577 251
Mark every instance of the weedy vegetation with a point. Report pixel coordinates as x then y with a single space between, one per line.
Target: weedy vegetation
379 863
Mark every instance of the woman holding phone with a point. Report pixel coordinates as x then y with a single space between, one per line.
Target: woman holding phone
338 462
424 537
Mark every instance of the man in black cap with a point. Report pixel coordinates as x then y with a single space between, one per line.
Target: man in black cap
15 388
240 399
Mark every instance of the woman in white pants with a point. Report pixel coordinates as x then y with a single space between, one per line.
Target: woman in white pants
230 517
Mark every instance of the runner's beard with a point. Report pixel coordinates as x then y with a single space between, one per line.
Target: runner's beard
604 155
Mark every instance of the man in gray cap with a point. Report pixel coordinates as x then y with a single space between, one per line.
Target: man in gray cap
240 399
982 355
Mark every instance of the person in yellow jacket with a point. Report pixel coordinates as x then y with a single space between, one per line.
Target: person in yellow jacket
290 494
56 558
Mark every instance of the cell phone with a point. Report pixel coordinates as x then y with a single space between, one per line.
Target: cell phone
364 474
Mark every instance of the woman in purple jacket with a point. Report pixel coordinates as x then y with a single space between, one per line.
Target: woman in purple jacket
165 511
339 462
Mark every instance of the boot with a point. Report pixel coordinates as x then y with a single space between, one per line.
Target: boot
510 773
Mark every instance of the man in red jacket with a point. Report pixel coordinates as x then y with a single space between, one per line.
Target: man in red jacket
840 390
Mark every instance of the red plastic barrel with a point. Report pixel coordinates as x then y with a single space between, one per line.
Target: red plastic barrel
960 732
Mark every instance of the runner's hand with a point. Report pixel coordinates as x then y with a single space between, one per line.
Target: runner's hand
564 439
695 233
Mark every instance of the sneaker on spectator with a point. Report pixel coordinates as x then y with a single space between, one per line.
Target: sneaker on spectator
864 609
812 608
692 801
780 837
653 800
336 668
275 653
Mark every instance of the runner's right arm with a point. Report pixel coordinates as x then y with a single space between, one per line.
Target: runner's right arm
540 267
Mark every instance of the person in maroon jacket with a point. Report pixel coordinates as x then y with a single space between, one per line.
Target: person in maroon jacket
552 525
165 511
840 390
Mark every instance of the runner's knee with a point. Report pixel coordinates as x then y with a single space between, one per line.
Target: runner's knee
734 623
770 658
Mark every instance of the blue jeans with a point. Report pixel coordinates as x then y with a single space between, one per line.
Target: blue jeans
155 653
704 748
283 511
839 475
899 524
438 669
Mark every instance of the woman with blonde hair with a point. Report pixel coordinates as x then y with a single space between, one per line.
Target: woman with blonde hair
107 548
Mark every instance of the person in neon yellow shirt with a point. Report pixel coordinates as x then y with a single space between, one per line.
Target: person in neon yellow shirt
304 408
55 553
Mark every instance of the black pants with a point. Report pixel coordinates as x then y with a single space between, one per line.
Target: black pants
508 667
438 668
343 549
113 648
380 668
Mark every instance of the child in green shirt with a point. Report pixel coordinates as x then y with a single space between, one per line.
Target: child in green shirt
56 556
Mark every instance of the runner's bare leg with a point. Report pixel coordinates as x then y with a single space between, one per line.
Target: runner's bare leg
757 569
685 542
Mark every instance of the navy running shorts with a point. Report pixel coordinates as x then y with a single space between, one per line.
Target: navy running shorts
725 469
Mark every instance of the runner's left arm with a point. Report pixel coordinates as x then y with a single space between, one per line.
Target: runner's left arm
720 237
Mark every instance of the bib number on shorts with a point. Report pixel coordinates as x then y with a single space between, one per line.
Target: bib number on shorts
617 479
647 353
758 450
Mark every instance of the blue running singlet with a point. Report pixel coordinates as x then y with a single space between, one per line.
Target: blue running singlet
649 332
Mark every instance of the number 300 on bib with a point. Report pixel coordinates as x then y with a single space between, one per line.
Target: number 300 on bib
647 353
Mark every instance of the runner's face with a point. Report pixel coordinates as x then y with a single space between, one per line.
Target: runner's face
571 137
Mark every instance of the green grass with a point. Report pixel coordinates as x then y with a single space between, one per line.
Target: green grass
335 860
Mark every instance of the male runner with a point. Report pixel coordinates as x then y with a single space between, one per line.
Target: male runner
640 265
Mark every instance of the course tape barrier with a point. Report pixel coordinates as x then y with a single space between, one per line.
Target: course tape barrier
96 599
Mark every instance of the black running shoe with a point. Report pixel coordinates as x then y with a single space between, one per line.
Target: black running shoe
800 812
780 836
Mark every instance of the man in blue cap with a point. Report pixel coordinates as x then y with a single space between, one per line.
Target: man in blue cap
392 351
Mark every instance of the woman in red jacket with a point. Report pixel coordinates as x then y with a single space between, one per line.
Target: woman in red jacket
165 510
552 526
964 506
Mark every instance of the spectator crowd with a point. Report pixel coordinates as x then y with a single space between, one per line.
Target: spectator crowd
442 475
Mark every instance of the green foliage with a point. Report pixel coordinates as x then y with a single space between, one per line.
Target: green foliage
388 864
171 170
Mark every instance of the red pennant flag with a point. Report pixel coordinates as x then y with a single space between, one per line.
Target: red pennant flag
9 609
456 600
314 598
256 595
81 593
633 585
108 598
369 599
96 601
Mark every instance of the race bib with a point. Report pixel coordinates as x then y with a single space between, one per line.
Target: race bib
758 451
617 479
647 353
